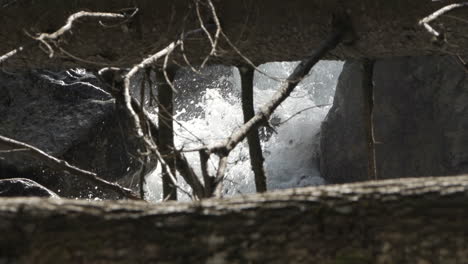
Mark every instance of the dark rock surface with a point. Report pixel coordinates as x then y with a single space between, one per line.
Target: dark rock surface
421 117
420 121
68 116
343 149
24 187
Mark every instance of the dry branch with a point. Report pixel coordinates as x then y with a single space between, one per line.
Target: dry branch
181 163
65 166
148 62
47 38
425 21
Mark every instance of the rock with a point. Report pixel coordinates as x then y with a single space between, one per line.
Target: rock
69 116
343 149
24 187
421 117
420 121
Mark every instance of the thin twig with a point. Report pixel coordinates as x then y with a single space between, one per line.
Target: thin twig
151 60
214 41
10 54
301 111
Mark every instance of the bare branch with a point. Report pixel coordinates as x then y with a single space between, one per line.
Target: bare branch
213 40
284 91
46 37
181 163
151 60
301 111
65 166
10 54
170 175
425 21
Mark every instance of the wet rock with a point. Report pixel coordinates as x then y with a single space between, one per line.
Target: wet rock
24 187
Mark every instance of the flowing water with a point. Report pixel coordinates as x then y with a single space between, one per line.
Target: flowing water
208 109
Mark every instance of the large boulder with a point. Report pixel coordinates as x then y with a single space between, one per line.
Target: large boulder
419 118
68 116
343 147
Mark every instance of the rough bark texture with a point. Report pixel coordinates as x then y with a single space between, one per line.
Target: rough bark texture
419 119
261 29
368 94
395 221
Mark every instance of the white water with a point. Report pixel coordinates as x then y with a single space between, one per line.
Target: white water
209 115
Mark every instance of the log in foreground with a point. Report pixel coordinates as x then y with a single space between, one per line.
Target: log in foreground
420 220
261 29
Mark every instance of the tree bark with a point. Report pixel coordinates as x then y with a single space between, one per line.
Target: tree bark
166 131
260 29
368 94
255 148
419 220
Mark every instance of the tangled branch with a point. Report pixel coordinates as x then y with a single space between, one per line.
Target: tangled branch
48 38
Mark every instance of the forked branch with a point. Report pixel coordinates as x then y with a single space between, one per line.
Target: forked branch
425 21
48 38
302 69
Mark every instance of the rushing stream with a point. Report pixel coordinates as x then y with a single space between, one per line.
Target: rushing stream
208 109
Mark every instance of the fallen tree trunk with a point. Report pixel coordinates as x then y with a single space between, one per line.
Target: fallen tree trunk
418 220
261 29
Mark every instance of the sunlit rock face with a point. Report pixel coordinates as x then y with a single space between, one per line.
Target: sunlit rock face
420 121
208 109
